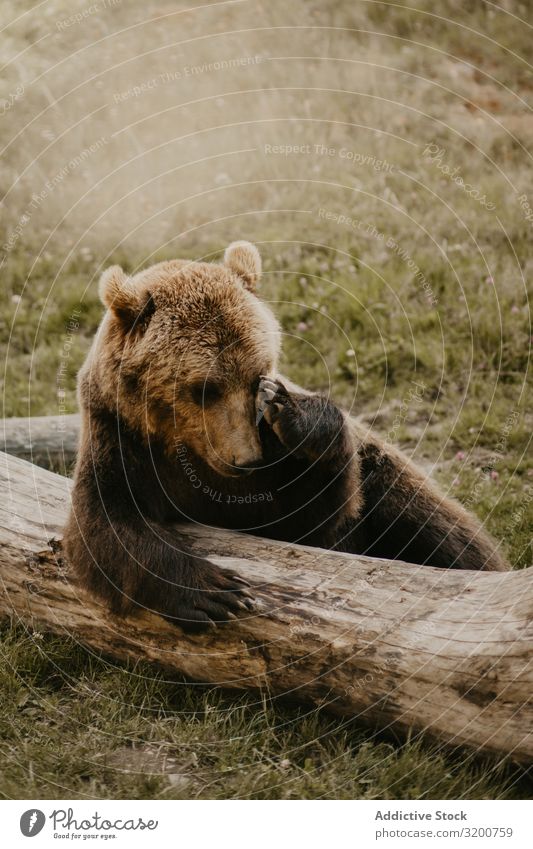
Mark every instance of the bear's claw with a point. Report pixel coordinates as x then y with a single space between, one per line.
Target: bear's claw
283 413
211 598
266 392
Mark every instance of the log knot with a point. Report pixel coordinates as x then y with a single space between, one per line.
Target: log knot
48 563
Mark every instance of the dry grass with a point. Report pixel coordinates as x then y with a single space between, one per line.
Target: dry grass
134 156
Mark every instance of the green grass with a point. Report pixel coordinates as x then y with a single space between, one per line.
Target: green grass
356 320
76 726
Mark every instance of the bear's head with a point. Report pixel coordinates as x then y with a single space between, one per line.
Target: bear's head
180 352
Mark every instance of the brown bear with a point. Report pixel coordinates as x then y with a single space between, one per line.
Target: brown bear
185 419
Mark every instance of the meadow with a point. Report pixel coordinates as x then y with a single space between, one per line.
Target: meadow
379 156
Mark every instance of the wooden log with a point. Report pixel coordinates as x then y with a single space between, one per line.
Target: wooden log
41 437
405 647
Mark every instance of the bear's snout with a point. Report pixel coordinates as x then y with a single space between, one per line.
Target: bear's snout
246 468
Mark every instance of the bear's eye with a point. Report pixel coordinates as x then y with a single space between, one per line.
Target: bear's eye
205 392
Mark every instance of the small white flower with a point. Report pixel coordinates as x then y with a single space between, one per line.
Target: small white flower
86 254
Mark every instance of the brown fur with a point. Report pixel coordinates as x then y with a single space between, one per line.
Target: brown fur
168 397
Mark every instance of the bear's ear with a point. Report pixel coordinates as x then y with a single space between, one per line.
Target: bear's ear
244 259
120 295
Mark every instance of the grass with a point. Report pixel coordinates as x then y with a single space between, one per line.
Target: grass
183 171
76 726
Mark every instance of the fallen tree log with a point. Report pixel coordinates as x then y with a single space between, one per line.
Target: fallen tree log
41 437
399 646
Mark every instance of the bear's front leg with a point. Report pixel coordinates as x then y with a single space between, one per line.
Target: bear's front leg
309 426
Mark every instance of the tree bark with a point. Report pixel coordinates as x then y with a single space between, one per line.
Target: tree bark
402 647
